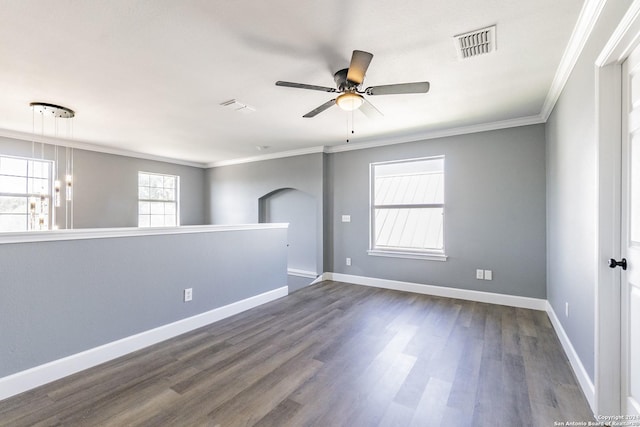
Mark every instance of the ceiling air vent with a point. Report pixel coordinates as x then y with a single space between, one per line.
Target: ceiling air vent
476 42
238 106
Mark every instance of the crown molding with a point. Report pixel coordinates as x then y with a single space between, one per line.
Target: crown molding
584 26
623 39
279 155
462 130
41 139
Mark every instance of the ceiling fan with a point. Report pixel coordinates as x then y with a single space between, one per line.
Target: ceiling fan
349 85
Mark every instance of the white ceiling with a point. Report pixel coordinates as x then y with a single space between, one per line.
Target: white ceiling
148 75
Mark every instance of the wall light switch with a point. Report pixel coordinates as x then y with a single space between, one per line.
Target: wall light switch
346 218
348 261
479 274
488 275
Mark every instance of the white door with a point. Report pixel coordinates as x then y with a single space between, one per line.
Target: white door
630 222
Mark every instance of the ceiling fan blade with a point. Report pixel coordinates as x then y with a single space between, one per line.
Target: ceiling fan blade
360 61
320 109
305 86
369 110
417 87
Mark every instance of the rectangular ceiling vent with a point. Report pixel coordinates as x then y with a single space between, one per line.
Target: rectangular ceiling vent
476 42
232 104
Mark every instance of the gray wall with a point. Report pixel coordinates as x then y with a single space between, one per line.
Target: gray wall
235 191
572 196
494 212
299 210
61 298
106 186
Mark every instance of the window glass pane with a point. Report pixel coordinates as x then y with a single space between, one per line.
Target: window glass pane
13 222
144 208
415 228
11 166
435 165
157 208
143 179
170 220
13 205
155 181
13 185
169 194
39 169
418 188
38 186
144 220
169 181
170 209
157 220
143 193
156 193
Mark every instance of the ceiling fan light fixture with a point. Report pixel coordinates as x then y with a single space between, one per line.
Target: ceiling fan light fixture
350 101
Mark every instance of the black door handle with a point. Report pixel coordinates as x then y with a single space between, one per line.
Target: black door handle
613 263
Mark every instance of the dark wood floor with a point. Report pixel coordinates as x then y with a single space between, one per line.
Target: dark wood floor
330 355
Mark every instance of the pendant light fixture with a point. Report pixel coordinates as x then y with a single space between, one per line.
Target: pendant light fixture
52 112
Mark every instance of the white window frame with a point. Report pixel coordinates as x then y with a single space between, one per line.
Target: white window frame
37 197
411 253
176 200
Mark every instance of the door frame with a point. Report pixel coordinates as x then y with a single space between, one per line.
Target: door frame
608 78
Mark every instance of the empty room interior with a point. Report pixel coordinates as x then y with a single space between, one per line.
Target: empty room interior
328 213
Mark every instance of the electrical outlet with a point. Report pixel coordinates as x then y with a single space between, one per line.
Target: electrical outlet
348 261
346 218
488 275
566 309
479 274
188 294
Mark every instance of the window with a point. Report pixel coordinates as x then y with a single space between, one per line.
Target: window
407 208
158 200
25 194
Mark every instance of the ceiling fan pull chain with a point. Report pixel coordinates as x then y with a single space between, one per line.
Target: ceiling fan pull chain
348 128
352 121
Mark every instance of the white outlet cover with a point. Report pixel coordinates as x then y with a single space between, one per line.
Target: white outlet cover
488 275
188 294
348 261
346 218
479 274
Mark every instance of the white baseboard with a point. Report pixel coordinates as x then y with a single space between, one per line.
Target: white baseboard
465 294
578 368
43 374
302 273
320 278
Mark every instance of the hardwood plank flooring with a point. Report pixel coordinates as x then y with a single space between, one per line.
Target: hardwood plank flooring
331 354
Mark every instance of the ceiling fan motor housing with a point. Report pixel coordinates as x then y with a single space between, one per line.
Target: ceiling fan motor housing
344 85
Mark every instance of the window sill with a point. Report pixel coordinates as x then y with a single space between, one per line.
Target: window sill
429 256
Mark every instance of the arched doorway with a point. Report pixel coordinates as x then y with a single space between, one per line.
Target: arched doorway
300 211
